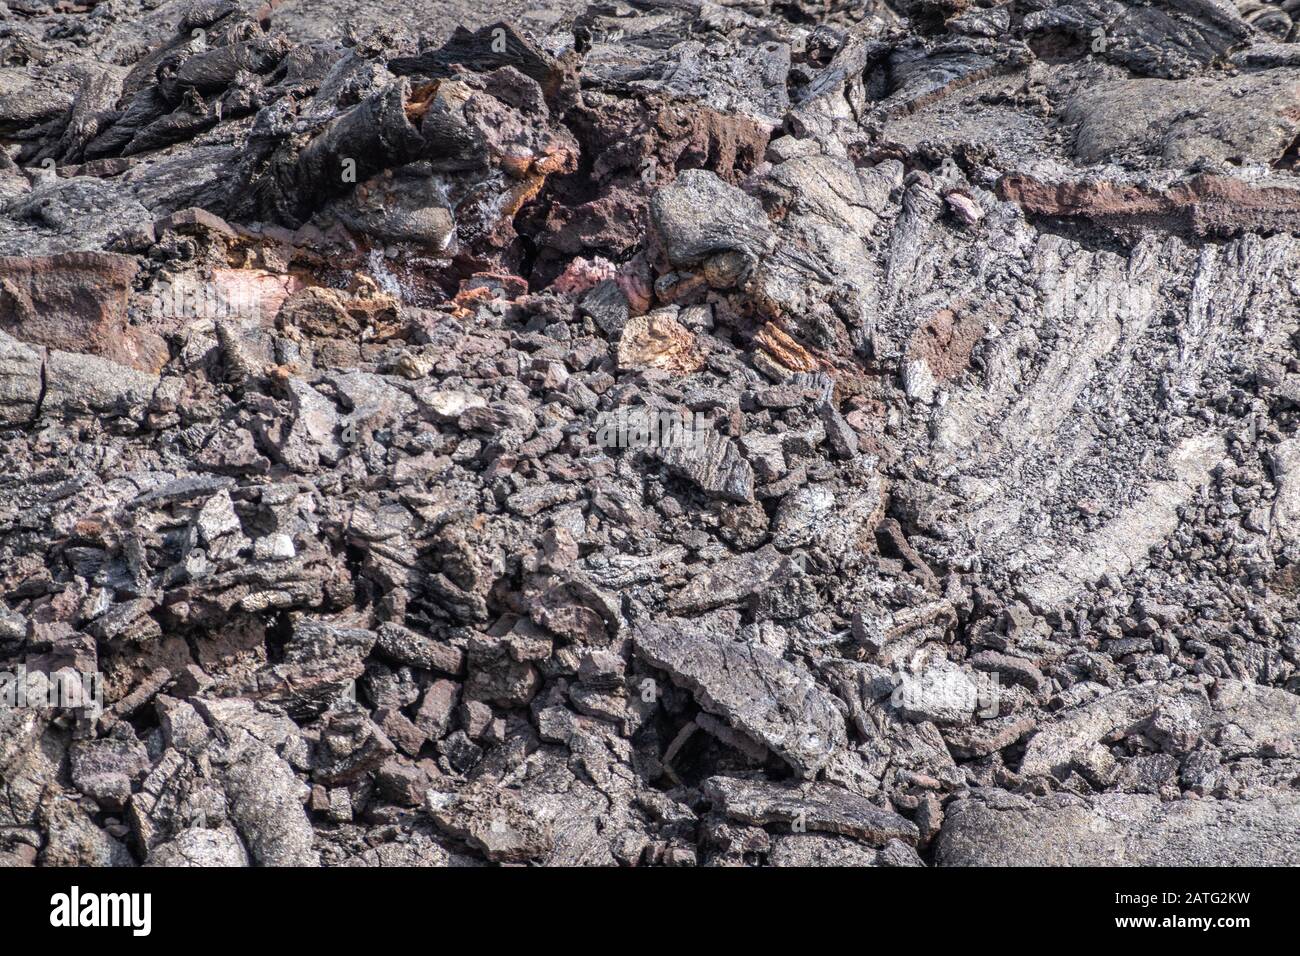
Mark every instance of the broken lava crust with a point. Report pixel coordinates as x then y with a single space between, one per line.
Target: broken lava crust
659 433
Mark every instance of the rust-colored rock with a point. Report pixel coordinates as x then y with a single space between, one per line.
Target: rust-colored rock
634 151
946 341
658 341
1204 205
329 313
781 348
77 302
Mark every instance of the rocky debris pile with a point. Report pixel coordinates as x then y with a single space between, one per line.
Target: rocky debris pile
694 434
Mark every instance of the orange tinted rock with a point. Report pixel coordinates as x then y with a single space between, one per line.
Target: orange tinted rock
784 350
486 286
658 341
318 312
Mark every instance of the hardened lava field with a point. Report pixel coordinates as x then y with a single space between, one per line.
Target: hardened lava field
649 433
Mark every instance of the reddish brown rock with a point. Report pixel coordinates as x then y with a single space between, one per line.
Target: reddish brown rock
318 312
946 341
781 348
635 150
1204 205
77 302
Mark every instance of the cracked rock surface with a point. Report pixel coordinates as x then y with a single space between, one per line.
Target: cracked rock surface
650 433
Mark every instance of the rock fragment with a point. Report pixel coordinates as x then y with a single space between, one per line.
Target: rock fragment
1117 829
770 699
816 807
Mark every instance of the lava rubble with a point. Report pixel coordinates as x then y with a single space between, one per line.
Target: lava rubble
327 351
